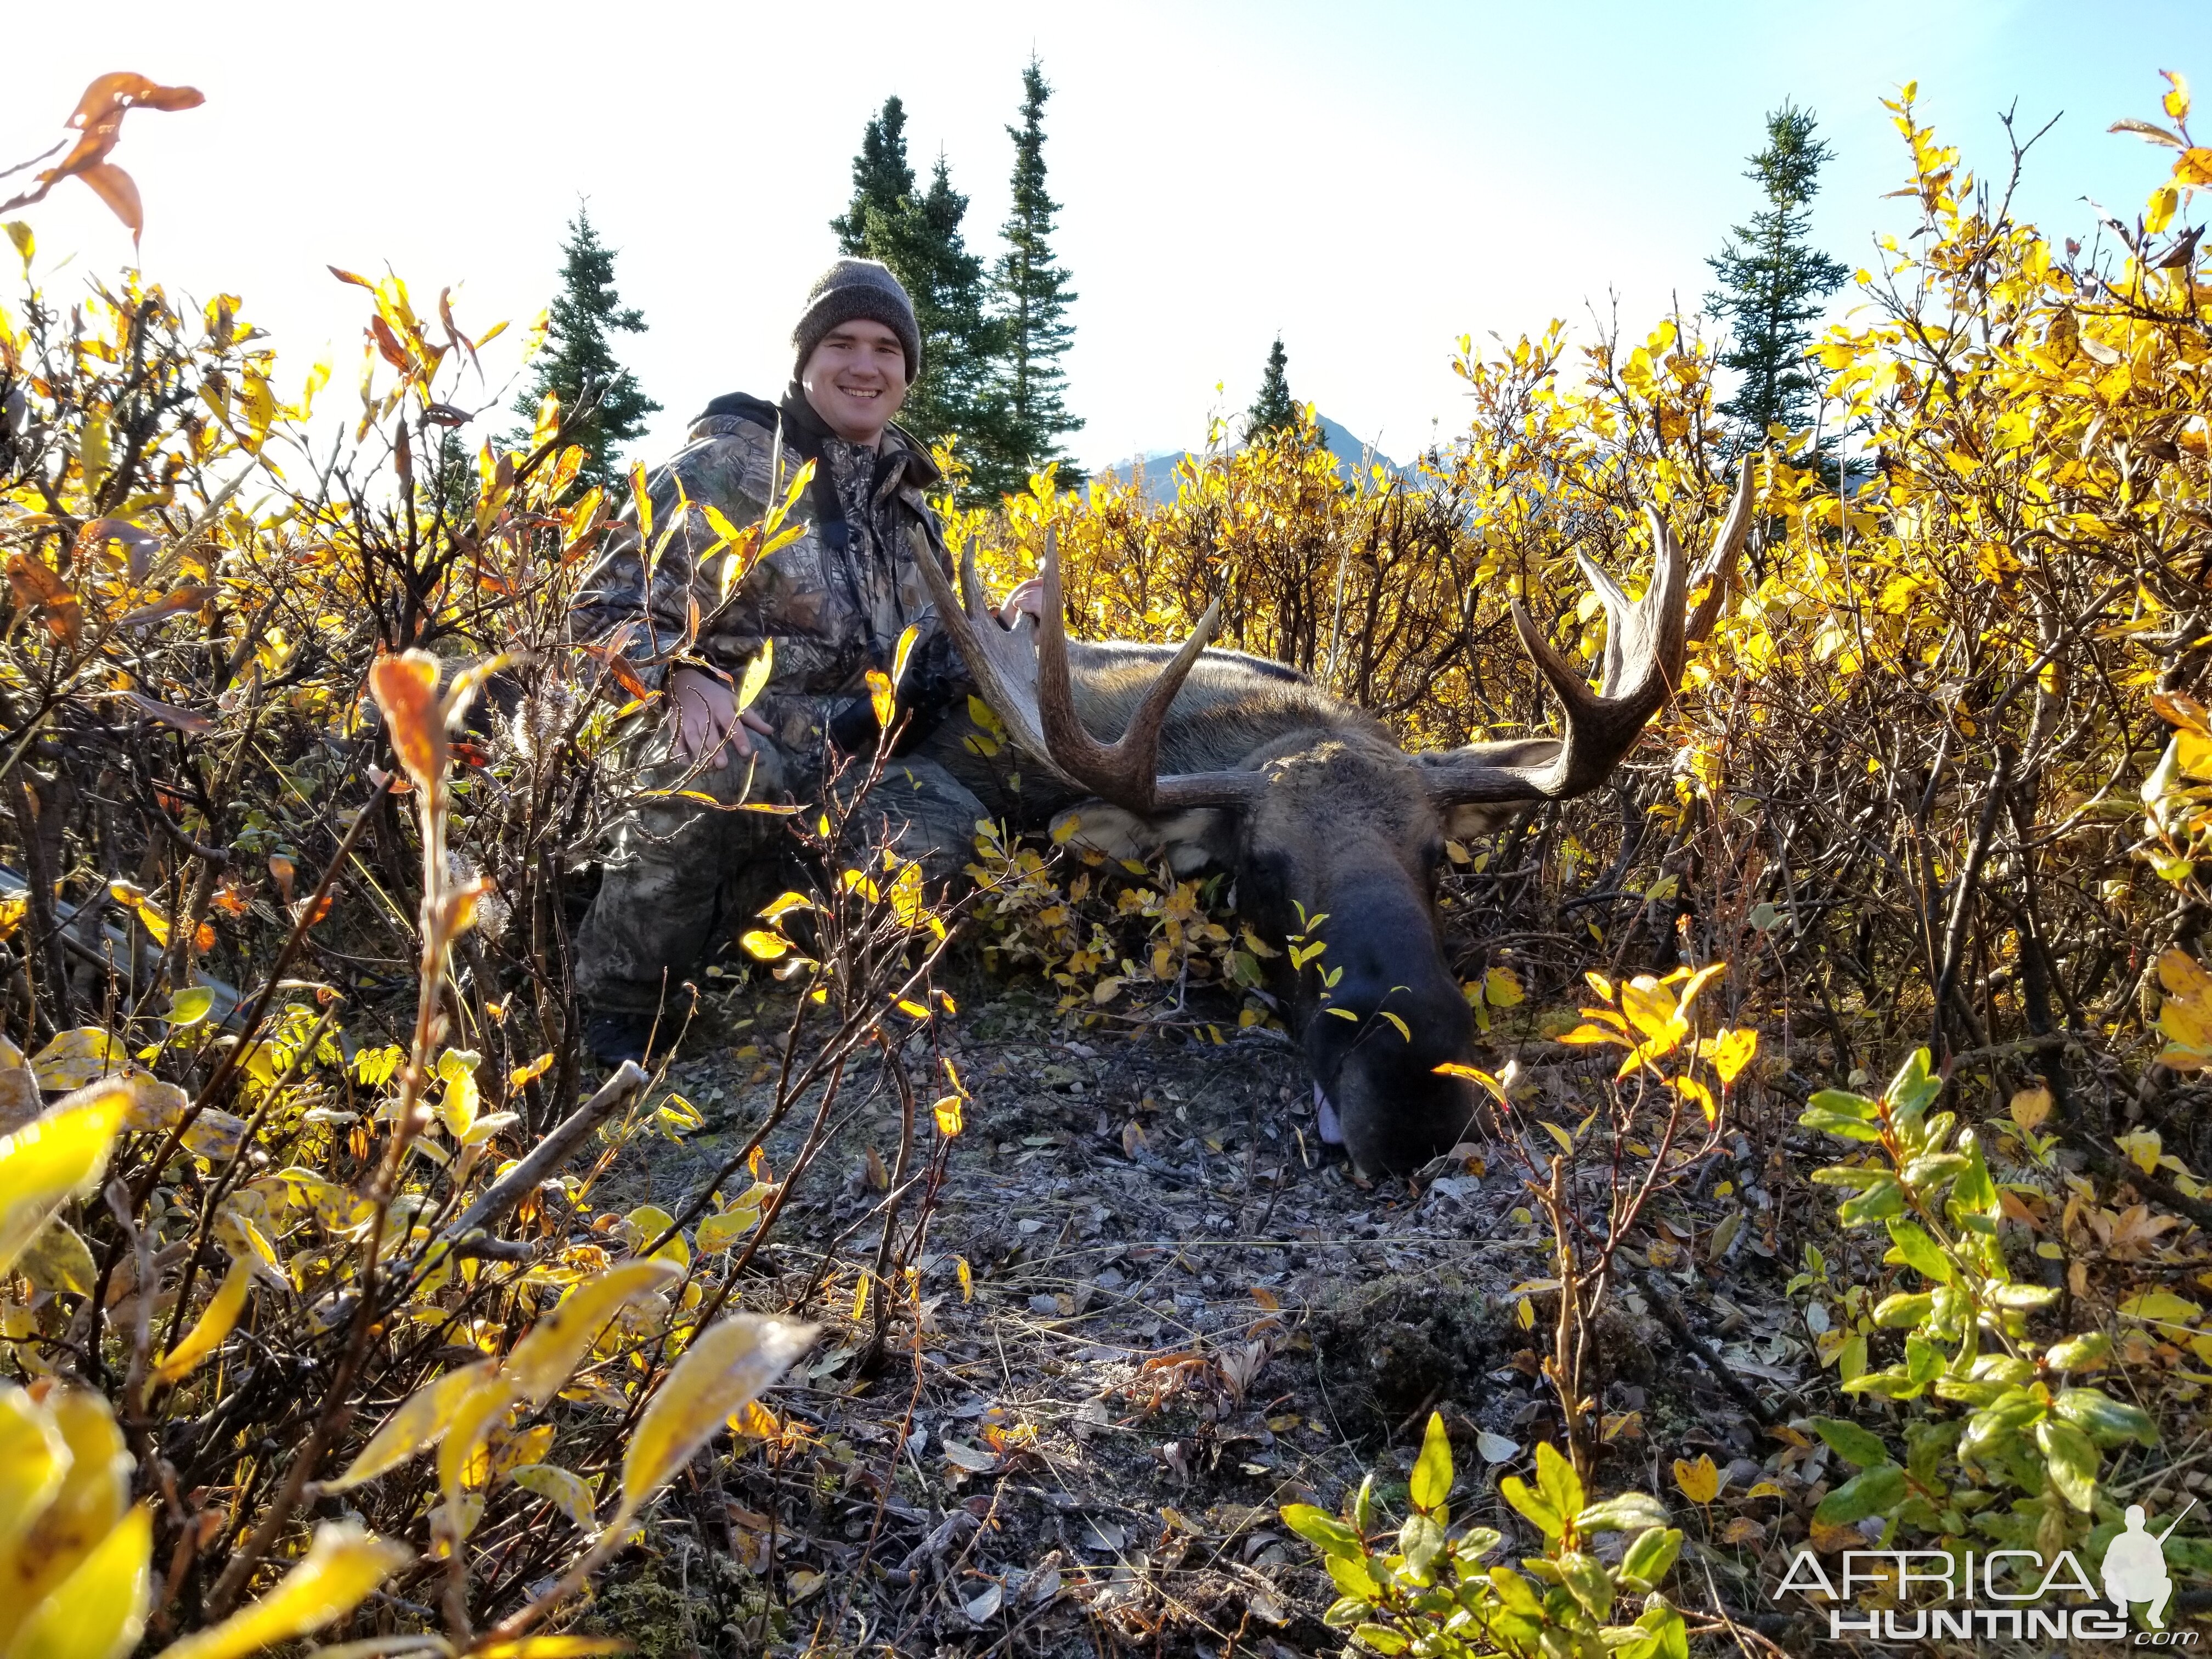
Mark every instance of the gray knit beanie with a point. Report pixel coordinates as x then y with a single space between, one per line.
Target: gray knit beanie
851 289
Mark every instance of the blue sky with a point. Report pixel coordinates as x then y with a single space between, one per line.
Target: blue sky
1373 180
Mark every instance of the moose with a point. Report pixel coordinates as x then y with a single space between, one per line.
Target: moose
1212 758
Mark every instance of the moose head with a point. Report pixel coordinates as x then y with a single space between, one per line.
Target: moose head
1333 833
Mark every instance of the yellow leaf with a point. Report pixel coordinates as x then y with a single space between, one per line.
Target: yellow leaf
1689 1089
765 945
522 1450
717 1232
74 1515
419 1418
209 1331
725 1366
1472 1074
1651 1009
967 1276
784 904
1732 1050
1500 988
905 651
2175 99
75 1058
566 1490
474 1418
1700 1482
58 1259
36 1456
1566 1141
2030 1107
544 1360
948 1115
552 1647
881 695
343 1564
758 672
99 1610
52 1159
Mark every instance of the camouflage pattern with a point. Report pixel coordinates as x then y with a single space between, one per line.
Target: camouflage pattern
831 618
679 875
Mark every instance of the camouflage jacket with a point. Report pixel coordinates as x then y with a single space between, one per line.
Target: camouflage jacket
834 604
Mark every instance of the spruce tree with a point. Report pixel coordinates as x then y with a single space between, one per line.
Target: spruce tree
919 236
578 355
1033 298
1773 282
882 182
1272 410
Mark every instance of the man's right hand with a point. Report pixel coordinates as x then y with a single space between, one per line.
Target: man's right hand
708 728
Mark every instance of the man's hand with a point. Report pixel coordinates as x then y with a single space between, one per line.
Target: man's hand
1028 597
708 728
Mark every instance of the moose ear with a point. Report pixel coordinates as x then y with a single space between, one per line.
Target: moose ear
1190 840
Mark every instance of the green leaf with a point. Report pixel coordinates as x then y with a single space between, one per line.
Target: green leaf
2105 1419
1842 1102
1891 1382
1855 1445
1924 1360
1431 1479
1858 1176
1419 1540
2079 1353
1914 1089
1547 1519
1630 1511
1933 1170
1672 1637
1588 1582
1975 1191
2021 1296
1557 1479
1841 1125
2071 1460
1871 1491
1919 1252
1879 1202
1382 1638
1903 1311
1351 1577
1651 1556
1322 1529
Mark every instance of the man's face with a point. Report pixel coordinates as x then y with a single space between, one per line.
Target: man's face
856 379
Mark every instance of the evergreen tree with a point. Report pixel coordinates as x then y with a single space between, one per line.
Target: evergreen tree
1772 282
1272 410
578 355
1033 298
882 182
919 236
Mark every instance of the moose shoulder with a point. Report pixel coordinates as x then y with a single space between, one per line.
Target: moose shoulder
1216 759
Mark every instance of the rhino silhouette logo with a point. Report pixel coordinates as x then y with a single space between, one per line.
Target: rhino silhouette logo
2135 1566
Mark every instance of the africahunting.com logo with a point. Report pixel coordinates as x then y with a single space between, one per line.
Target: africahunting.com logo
1965 1597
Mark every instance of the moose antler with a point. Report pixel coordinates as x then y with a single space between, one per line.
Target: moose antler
1021 671
1644 648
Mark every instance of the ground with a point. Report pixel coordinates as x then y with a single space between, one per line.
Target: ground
1184 1312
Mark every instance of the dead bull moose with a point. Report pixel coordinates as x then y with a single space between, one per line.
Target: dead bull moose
1219 759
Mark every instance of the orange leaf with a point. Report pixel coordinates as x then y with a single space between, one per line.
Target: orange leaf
387 343
405 687
116 187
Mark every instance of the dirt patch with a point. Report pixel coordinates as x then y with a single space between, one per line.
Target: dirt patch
1180 1312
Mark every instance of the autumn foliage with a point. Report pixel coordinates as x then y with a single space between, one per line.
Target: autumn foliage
300 768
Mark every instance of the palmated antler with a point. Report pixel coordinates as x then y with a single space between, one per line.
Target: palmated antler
1021 671
1644 644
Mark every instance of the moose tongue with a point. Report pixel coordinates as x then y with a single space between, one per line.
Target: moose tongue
1332 1128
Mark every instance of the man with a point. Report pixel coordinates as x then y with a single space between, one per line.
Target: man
830 606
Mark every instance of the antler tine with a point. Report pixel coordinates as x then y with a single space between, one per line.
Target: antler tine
1002 660
1719 568
1644 643
1126 771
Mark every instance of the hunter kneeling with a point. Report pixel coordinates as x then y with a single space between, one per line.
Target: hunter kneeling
831 605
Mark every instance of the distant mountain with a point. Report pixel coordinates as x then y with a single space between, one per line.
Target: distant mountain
1157 465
